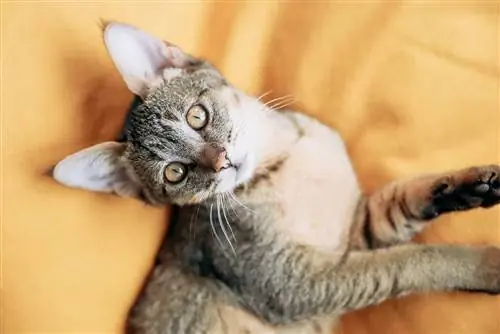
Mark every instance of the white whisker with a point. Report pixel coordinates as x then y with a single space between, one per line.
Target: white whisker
281 98
224 196
263 95
283 104
214 230
222 225
239 203
279 103
230 204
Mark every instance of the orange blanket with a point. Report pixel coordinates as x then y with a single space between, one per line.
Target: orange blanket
411 85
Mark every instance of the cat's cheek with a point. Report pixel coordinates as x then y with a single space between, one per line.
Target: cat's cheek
246 170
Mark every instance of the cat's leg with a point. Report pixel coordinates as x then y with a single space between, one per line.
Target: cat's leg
173 301
395 213
296 283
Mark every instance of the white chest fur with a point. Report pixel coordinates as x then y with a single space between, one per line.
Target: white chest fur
317 188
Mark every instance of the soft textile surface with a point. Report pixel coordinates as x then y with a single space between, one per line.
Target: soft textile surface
412 86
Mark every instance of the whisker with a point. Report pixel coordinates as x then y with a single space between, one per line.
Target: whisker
281 98
224 196
222 225
239 203
263 94
284 100
214 230
281 105
230 200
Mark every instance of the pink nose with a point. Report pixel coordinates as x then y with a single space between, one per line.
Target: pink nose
220 162
214 157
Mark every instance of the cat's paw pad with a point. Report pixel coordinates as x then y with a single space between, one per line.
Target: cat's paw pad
488 185
470 188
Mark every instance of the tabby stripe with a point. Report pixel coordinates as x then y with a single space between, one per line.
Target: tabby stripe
390 219
367 229
376 287
405 209
353 295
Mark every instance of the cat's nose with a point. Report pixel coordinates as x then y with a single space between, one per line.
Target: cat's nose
215 157
221 161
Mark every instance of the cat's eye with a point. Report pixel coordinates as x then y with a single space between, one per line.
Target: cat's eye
197 117
175 172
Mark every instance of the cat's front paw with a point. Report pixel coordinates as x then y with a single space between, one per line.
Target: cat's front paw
467 189
487 274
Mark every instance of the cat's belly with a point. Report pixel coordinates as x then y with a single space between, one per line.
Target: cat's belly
318 190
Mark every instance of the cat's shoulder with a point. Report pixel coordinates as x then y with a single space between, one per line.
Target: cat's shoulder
313 129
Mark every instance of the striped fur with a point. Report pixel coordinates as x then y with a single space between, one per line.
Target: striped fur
398 211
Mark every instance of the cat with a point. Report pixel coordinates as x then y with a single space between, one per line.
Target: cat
271 232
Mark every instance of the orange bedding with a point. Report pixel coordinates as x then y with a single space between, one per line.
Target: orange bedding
413 86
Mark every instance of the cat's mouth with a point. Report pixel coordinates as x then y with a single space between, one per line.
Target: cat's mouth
235 175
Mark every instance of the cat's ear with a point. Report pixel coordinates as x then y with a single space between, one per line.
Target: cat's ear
141 57
98 168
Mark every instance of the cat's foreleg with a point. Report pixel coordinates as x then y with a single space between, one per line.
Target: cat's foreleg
298 284
395 213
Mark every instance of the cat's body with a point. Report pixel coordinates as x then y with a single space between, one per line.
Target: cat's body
272 233
265 201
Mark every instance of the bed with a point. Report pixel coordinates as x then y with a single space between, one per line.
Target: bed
413 87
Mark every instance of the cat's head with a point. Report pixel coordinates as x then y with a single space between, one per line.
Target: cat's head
191 137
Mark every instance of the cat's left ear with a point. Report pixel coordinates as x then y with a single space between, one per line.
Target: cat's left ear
100 168
141 57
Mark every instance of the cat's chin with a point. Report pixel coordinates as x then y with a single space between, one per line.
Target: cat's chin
233 177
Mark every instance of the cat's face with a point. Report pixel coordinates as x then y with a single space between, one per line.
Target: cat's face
191 137
188 139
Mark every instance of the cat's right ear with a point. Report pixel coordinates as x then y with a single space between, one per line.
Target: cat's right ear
141 57
100 168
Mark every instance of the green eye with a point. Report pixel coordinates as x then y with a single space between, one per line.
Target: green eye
175 172
197 117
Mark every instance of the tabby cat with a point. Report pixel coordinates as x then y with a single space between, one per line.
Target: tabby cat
271 233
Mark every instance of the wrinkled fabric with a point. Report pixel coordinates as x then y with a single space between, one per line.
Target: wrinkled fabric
413 87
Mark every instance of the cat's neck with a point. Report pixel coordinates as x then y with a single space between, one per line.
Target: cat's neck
278 133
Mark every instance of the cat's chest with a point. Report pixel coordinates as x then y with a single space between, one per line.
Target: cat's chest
316 191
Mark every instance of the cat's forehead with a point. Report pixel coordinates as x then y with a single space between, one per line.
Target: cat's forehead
156 127
180 81
179 90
